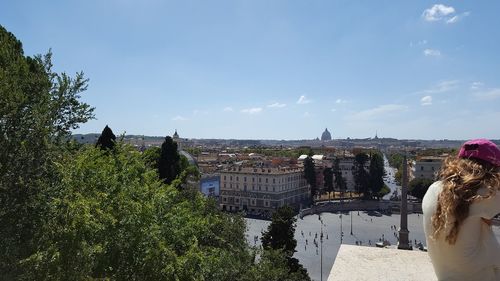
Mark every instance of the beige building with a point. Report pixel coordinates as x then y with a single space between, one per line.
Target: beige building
261 190
426 167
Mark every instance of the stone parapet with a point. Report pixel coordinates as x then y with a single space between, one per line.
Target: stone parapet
369 263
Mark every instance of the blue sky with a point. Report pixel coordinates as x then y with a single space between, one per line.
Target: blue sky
276 69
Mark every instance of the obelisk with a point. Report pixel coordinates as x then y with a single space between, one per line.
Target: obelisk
403 229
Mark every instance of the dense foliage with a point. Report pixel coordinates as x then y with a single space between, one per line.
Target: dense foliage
38 108
69 212
340 182
377 173
328 180
418 187
310 176
361 176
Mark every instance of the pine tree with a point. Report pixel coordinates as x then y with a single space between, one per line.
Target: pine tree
107 139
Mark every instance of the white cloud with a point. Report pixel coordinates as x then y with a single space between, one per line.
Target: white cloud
303 100
179 118
427 100
440 87
438 12
456 18
277 104
253 110
476 85
379 111
432 53
490 94
339 101
228 109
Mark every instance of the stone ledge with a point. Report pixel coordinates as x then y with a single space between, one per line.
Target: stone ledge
369 263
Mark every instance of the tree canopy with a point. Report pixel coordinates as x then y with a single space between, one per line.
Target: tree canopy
310 175
38 108
280 236
361 175
376 172
418 187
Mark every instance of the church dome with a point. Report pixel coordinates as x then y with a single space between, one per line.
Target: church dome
326 136
175 136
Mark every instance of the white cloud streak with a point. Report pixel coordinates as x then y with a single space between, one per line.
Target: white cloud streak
379 111
490 94
228 109
476 85
432 53
179 118
253 110
427 100
277 105
303 100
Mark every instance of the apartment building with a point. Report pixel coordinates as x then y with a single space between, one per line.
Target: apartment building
426 167
262 190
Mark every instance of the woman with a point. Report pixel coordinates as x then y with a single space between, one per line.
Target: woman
457 214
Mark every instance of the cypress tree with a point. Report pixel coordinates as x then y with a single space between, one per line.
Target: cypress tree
169 163
107 139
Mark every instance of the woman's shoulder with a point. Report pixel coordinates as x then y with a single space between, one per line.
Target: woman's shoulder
429 201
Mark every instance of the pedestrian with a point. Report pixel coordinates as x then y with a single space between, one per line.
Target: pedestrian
457 213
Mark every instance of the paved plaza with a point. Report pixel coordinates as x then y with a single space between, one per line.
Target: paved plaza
367 229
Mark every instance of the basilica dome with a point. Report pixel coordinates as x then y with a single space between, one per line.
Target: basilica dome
326 136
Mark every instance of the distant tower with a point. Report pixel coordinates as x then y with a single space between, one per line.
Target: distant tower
376 135
176 138
326 136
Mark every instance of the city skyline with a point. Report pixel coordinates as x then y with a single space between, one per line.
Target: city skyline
275 70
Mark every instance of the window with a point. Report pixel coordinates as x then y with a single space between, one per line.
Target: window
274 180
230 178
224 177
245 179
421 168
224 199
267 180
237 178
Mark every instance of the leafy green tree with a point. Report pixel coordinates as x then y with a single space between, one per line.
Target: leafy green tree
328 179
111 217
151 157
361 176
169 163
418 187
280 236
107 139
340 182
38 110
376 172
310 175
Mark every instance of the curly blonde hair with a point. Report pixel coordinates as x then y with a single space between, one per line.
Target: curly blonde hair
461 179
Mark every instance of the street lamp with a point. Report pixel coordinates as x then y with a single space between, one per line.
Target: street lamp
341 232
321 250
351 222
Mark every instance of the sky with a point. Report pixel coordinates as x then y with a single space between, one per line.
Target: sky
265 69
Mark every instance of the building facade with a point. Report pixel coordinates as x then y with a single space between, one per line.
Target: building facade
260 191
426 167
